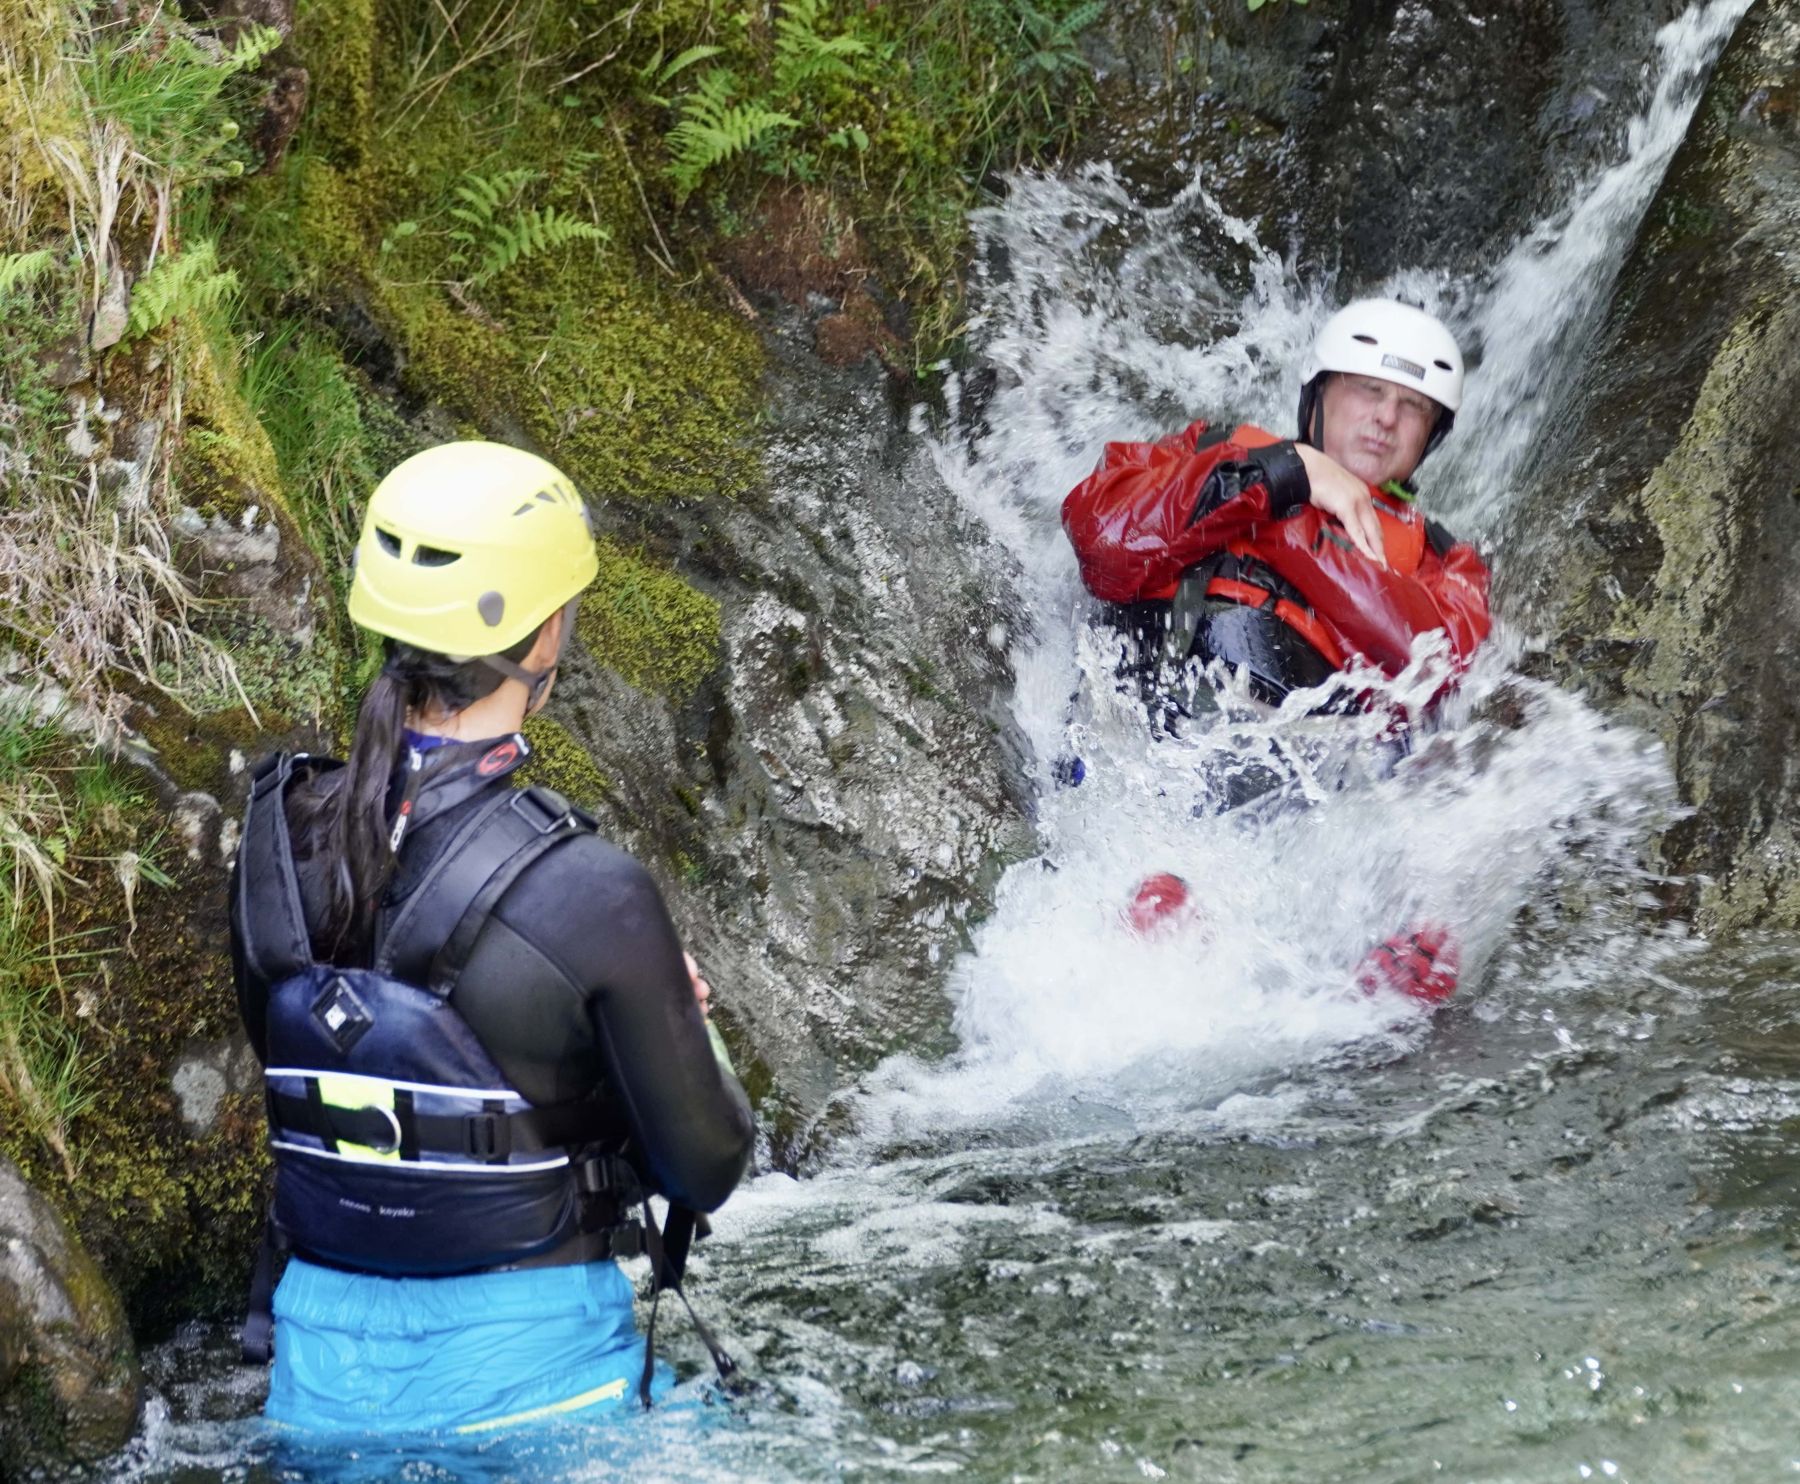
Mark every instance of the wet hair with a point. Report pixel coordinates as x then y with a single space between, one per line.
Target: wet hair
344 824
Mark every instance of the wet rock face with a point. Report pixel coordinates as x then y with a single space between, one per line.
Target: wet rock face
1416 130
1677 512
845 783
69 1381
1374 135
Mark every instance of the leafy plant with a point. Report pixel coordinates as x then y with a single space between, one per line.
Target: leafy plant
805 56
164 85
20 269
178 284
496 232
1054 39
51 801
713 129
42 1070
1256 5
656 74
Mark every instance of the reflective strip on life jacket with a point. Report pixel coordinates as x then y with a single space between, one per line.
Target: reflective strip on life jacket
346 1154
361 1118
1300 620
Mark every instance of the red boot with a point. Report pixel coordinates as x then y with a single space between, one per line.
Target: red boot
1158 904
1421 962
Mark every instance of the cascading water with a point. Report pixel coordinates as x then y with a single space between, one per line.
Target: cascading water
1193 1205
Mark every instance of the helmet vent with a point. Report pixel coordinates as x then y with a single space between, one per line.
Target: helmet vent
1365 340
434 556
390 543
1443 366
525 509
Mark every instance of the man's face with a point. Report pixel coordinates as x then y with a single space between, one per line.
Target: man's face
1376 429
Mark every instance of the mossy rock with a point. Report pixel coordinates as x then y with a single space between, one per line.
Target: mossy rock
646 624
558 761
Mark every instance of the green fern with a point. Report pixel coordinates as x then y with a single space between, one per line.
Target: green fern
496 232
537 230
713 129
805 57
483 196
656 74
1053 42
178 284
21 269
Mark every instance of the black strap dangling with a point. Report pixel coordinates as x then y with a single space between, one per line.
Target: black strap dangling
668 1249
259 1322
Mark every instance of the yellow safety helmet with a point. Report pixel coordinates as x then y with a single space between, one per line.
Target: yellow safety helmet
468 547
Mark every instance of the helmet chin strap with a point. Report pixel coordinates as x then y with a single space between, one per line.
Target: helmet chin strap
1312 412
537 682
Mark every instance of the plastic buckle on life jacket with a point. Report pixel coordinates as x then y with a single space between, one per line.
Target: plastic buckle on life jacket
488 1137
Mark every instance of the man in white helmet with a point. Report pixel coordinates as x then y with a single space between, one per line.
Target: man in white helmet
1295 559
1292 560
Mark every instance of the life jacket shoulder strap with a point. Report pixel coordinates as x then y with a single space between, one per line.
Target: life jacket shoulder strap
276 943
429 939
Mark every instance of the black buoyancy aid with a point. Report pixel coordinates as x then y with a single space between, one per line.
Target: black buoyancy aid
399 1148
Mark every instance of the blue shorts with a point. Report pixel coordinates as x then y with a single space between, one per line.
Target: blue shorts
357 1353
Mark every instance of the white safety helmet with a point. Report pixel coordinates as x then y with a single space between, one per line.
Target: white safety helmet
1392 342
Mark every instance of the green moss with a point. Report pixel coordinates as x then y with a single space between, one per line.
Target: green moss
196 751
649 625
225 462
31 1419
338 37
558 761
171 1217
636 386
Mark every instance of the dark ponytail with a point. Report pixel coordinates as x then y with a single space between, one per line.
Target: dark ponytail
345 825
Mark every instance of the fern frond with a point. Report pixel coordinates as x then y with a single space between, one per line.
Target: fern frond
483 195
178 284
20 269
1083 16
686 60
534 231
803 55
253 44
713 129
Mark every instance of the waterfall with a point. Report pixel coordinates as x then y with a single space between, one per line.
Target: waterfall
1061 1009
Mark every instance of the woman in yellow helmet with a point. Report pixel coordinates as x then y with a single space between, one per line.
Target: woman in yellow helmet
470 1085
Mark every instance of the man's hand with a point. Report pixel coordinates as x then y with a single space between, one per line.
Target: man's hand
1339 493
702 990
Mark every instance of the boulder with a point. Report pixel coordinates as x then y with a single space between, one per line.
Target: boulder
69 1380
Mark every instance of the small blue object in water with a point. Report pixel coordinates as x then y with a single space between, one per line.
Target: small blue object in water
1068 771
470 1355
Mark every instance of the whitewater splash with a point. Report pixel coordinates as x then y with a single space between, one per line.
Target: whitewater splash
1102 323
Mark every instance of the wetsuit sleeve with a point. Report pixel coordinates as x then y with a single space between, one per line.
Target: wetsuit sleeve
1152 510
611 932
